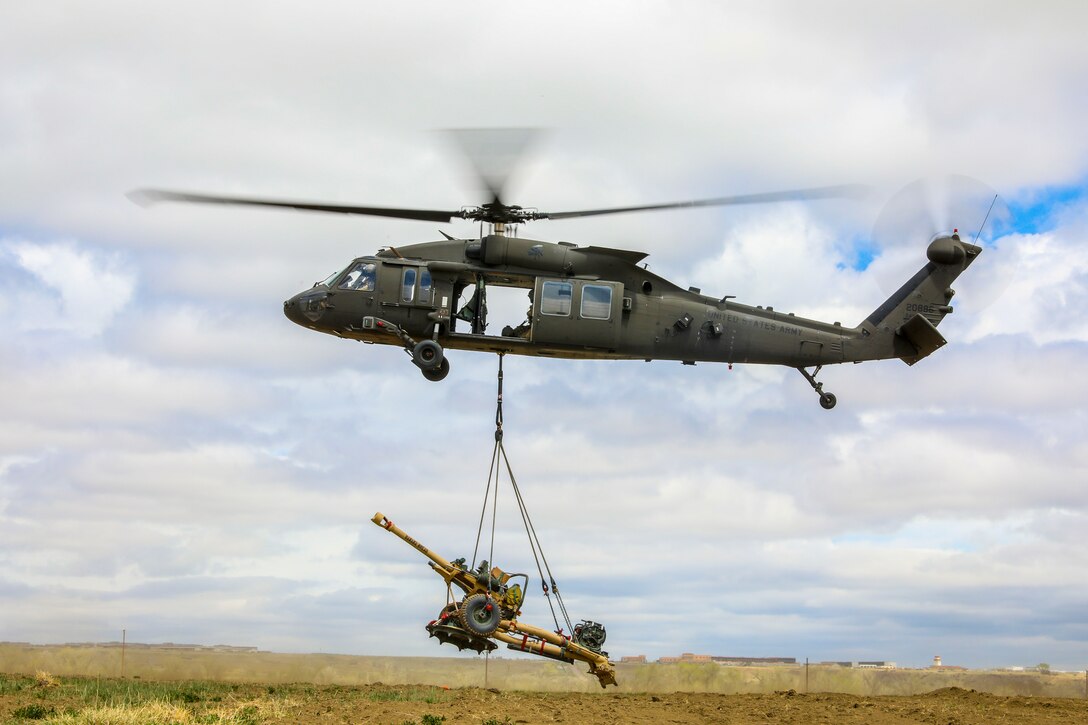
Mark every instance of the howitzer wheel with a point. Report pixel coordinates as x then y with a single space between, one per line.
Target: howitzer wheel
447 629
480 615
452 633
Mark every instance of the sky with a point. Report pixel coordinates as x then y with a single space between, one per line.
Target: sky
180 461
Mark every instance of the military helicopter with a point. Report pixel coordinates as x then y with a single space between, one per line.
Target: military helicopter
592 302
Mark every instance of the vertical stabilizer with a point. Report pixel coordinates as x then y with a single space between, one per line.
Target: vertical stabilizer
905 326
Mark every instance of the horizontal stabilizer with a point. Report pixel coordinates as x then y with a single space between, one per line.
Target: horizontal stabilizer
625 254
922 335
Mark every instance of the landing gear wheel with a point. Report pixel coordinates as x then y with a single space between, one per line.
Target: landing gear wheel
480 615
438 373
427 354
827 400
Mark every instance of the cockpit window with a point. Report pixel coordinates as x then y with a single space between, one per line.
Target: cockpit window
331 278
425 285
361 277
408 284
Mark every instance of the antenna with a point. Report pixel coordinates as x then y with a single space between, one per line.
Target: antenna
984 219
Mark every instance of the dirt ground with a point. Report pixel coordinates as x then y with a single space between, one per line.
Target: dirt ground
941 708
86 700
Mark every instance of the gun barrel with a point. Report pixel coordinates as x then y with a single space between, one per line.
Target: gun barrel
534 646
555 646
380 519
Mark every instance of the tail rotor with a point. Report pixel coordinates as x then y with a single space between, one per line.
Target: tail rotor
942 205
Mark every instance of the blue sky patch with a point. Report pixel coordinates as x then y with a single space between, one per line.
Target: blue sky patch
1035 211
865 252
859 255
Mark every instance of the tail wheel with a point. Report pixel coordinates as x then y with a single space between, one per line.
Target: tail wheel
427 354
828 400
480 615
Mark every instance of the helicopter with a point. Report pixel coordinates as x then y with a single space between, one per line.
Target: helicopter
590 302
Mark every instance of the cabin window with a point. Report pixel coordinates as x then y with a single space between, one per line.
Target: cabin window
408 285
361 277
596 302
425 288
556 298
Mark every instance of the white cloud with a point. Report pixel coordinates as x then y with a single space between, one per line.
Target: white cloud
212 467
78 292
102 389
1047 280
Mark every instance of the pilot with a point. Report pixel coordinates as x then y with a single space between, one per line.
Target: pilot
350 280
366 279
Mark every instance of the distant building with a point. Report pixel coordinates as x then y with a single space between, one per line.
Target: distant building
754 661
689 657
937 665
633 660
876 665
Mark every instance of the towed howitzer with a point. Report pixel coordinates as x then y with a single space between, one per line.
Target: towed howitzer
489 611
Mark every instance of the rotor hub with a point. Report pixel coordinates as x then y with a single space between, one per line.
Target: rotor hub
496 212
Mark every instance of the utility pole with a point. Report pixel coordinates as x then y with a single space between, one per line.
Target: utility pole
123 633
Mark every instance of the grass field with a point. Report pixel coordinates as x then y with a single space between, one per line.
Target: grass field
47 698
512 674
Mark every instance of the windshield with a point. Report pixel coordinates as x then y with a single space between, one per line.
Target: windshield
332 277
361 277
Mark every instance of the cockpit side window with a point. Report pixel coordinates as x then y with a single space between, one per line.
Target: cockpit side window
425 286
408 284
361 277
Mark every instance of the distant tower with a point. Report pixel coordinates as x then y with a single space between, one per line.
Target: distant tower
936 660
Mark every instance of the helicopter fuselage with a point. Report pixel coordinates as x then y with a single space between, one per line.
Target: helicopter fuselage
591 302
588 302
595 302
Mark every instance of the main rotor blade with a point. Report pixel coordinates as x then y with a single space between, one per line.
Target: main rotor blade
146 197
847 191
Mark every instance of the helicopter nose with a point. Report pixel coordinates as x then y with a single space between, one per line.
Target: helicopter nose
306 308
291 311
